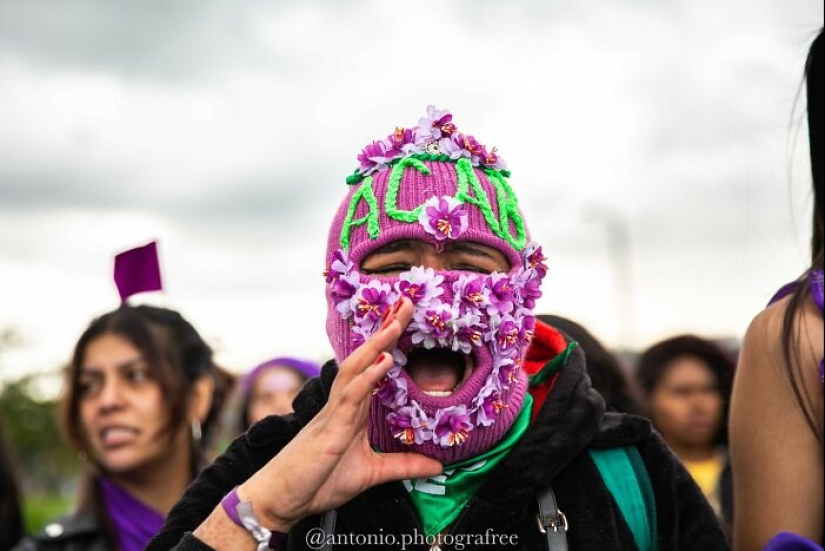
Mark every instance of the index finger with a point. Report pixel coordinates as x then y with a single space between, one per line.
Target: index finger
383 340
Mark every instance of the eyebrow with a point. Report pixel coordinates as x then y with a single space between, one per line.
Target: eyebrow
94 370
468 247
396 246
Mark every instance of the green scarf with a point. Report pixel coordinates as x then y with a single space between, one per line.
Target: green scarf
440 499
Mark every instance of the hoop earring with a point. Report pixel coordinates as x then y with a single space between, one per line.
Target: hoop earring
197 434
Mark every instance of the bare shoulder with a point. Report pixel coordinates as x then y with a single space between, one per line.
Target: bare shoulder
762 347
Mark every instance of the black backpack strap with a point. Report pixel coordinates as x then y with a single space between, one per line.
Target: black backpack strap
552 522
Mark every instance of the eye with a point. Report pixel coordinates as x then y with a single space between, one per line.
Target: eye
88 385
389 269
472 268
137 375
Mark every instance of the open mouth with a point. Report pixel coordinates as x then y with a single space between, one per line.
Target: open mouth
438 372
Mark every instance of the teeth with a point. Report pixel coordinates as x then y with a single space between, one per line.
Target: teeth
438 393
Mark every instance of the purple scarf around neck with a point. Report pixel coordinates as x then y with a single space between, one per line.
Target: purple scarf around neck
134 523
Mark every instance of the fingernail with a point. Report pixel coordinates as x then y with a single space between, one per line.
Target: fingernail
380 358
387 323
397 306
384 315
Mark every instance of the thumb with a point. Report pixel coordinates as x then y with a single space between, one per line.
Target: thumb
402 466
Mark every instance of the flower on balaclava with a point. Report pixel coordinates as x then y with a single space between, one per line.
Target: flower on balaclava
489 403
421 285
471 293
527 288
410 425
452 425
338 266
400 143
436 124
444 218
506 336
375 156
371 301
535 260
433 326
506 371
342 290
501 294
468 332
392 389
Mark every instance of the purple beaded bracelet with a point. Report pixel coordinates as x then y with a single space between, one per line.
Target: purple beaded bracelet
243 515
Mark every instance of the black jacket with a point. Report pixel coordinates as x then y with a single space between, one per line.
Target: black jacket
552 452
80 532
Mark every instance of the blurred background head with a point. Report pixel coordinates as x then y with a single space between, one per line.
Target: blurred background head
270 388
687 382
142 389
606 372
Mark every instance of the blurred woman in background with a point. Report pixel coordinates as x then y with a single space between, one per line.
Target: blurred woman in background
687 382
141 397
270 388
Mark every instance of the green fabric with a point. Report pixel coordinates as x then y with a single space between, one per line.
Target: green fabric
626 477
440 499
647 493
553 366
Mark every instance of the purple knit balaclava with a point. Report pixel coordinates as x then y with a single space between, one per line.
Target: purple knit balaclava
435 184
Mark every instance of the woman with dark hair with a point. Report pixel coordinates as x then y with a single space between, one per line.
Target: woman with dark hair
777 410
11 519
687 382
141 398
605 370
271 386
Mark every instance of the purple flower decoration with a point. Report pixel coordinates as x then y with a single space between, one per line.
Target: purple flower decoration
527 288
392 390
471 293
359 335
371 301
410 425
535 260
338 266
491 159
468 332
501 294
506 370
342 290
437 124
489 404
375 156
475 151
433 326
444 218
452 426
506 336
400 143
421 285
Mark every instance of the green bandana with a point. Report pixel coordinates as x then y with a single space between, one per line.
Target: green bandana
440 499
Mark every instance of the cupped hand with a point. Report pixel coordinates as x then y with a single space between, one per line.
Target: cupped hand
331 461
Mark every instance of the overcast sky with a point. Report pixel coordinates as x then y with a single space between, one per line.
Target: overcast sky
226 129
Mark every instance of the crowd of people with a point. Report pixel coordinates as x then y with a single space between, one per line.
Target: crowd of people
453 415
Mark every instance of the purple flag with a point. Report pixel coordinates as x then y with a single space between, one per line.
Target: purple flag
137 271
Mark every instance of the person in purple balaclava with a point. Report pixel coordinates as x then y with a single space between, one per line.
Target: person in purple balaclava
449 418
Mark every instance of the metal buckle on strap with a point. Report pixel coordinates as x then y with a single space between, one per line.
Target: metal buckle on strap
553 522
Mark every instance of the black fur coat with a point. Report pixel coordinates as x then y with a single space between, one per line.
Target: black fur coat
553 452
